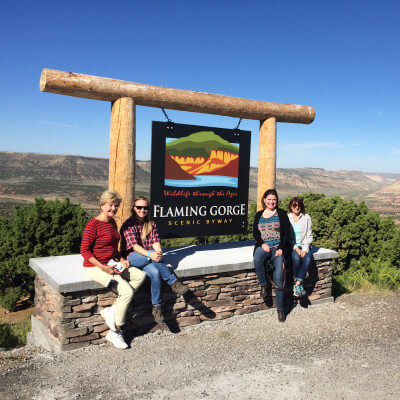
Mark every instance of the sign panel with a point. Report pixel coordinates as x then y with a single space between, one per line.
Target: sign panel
199 180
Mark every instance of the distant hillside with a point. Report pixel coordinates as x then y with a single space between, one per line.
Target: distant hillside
34 165
24 176
199 144
390 190
386 201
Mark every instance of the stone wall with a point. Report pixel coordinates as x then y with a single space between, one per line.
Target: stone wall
72 320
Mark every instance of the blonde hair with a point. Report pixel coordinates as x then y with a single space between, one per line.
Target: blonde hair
146 220
109 196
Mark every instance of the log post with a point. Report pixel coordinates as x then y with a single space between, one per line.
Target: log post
106 89
266 158
122 154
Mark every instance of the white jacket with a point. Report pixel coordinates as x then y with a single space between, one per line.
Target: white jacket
305 231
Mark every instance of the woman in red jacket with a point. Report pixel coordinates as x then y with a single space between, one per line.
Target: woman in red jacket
99 246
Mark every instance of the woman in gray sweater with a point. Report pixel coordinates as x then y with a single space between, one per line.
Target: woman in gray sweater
301 239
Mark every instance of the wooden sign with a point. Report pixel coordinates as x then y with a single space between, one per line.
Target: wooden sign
199 180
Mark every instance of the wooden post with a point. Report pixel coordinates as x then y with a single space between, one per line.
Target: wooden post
122 154
266 158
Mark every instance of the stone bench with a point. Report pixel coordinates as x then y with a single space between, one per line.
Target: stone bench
221 277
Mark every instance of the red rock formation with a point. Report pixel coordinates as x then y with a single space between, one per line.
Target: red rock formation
217 162
188 163
174 171
230 169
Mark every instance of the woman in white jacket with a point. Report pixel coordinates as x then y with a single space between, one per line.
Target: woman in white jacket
301 240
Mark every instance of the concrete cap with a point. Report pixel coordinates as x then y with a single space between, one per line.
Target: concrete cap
66 273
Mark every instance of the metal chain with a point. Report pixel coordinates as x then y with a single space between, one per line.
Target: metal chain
166 115
237 126
170 124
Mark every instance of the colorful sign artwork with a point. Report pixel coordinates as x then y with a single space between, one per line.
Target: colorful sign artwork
199 180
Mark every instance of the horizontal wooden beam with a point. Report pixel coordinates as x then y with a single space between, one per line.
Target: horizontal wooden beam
106 89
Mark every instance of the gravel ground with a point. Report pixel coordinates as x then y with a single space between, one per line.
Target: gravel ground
349 349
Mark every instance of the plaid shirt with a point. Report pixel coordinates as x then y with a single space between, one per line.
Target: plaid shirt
132 232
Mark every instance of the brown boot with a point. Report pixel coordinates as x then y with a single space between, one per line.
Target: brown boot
281 316
179 288
263 291
157 314
266 295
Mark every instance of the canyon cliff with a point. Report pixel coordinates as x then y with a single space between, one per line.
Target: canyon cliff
218 163
174 171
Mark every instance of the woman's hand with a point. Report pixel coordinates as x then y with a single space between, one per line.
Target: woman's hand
156 256
265 247
298 251
125 263
302 253
108 269
278 253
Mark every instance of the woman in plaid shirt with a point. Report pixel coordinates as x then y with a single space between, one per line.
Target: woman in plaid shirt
140 244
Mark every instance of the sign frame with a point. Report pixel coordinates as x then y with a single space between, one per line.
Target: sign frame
193 210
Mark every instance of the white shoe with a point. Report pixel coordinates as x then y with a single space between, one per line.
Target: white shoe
117 339
108 315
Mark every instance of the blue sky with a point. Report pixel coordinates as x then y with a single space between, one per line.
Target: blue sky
340 57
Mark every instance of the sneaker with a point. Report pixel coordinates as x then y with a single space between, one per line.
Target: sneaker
116 339
108 315
157 314
296 291
301 290
179 288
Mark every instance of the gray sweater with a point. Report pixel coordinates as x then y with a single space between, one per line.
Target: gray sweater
305 231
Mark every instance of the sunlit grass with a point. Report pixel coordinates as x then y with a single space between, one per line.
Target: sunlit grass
375 277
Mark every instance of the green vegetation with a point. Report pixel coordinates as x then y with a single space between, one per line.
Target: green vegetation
199 144
45 228
377 276
14 335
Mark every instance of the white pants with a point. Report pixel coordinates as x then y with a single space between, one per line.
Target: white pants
127 283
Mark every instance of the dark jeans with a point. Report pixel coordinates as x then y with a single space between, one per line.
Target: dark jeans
260 259
155 271
300 265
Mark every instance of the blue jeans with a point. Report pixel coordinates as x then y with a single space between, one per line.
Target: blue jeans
155 271
300 265
260 259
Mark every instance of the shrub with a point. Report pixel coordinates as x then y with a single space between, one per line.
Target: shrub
45 228
377 275
14 335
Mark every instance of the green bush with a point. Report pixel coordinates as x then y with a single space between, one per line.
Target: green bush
45 228
376 275
14 335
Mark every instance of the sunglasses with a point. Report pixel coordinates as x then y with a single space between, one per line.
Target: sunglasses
296 205
142 208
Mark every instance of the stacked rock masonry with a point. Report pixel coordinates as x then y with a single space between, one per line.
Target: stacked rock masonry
70 320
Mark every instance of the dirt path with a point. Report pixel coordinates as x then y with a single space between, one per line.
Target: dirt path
349 349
